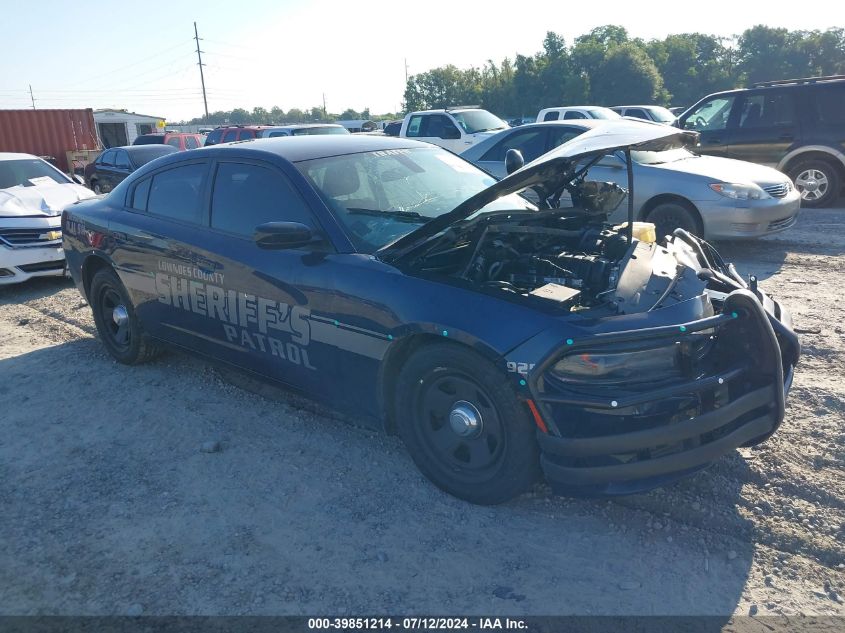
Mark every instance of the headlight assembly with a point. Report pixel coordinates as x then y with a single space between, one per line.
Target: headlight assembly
739 192
619 367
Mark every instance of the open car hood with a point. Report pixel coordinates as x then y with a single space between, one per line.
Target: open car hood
553 170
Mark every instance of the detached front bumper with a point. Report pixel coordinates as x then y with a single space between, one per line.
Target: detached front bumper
639 439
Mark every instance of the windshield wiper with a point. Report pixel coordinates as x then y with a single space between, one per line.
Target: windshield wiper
405 216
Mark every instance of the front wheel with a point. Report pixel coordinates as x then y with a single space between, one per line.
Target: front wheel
817 181
464 426
116 321
669 216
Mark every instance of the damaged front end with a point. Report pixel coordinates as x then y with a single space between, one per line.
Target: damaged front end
659 359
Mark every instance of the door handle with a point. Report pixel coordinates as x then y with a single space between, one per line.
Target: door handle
786 137
713 141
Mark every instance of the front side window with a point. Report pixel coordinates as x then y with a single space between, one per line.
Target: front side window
173 141
531 143
191 142
636 113
214 137
574 114
231 135
107 158
415 126
767 109
383 195
563 134
177 192
439 126
246 134
245 196
711 115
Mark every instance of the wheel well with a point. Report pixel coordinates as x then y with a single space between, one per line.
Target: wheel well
90 267
821 156
392 364
668 197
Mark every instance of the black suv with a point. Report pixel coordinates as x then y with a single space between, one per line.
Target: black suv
796 126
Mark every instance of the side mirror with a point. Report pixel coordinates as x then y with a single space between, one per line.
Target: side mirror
79 180
451 133
279 235
513 160
611 161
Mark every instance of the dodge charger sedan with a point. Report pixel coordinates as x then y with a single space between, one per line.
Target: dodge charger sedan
716 198
388 277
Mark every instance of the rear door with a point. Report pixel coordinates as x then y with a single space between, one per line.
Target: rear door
766 126
122 167
714 120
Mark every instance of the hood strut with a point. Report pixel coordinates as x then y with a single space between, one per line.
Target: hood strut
630 167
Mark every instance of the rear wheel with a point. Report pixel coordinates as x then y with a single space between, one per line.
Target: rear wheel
817 181
668 216
116 321
464 426
95 186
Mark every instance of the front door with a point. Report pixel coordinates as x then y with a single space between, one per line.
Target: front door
713 119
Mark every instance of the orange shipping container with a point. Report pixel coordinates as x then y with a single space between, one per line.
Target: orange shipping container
48 133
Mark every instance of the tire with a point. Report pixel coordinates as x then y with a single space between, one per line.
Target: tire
126 342
817 181
668 216
95 187
489 464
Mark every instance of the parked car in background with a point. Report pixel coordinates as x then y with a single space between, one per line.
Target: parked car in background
520 121
113 165
393 128
576 112
708 196
32 196
179 140
797 126
658 114
301 129
454 129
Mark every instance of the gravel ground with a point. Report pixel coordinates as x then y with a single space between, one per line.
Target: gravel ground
164 489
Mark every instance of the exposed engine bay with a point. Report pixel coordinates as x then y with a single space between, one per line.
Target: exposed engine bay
563 259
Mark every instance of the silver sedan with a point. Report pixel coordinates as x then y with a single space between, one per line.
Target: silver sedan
716 198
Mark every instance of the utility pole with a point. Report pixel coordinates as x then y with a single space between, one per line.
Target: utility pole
406 71
31 97
200 64
325 114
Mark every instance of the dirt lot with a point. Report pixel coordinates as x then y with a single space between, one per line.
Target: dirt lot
110 505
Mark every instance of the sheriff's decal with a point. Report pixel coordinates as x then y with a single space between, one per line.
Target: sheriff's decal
239 312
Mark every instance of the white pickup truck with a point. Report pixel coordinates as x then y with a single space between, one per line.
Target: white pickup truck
454 129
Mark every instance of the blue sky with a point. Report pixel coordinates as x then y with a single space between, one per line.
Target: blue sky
140 55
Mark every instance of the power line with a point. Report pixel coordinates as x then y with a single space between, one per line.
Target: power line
31 97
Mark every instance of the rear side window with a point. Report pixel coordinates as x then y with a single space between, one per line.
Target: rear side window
551 116
173 141
176 193
140 195
246 195
277 133
767 109
121 160
231 135
830 104
191 142
246 134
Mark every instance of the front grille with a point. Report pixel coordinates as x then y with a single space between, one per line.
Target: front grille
42 266
777 191
29 237
784 223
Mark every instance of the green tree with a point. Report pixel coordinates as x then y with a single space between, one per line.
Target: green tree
349 114
295 115
628 75
692 65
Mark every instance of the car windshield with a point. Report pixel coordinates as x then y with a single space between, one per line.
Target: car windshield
383 195
657 158
29 172
603 113
662 114
473 121
325 129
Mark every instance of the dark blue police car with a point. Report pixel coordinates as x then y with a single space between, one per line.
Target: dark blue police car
393 279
